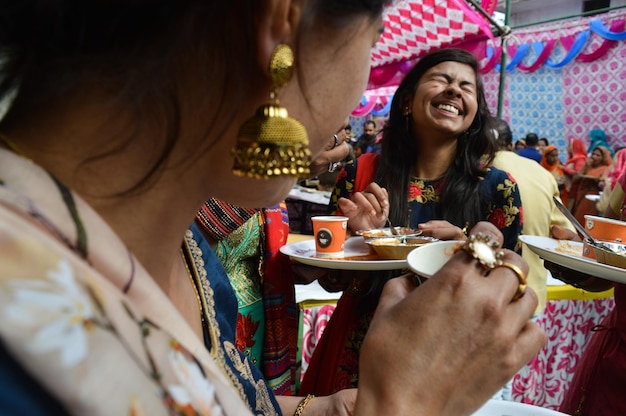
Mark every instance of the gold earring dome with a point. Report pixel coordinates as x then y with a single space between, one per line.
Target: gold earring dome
271 143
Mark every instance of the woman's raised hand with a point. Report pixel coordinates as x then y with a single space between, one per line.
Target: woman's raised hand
442 230
367 209
446 347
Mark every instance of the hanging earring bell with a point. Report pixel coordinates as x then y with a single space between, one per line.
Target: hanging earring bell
271 143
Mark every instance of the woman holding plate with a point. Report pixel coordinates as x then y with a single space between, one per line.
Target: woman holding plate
433 174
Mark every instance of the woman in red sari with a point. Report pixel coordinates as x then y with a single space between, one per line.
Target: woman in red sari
577 157
550 161
590 181
618 167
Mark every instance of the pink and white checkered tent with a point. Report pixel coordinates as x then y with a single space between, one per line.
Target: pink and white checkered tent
415 27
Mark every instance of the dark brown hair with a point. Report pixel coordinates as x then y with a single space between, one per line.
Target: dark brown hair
460 199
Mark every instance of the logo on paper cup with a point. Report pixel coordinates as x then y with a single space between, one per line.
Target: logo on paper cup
324 237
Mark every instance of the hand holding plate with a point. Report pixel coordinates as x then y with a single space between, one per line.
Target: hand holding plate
482 337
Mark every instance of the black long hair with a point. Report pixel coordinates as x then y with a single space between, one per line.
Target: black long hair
460 198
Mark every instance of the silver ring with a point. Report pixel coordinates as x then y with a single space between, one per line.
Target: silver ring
336 140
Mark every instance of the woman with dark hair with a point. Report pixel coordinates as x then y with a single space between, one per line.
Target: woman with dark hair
437 148
123 118
551 162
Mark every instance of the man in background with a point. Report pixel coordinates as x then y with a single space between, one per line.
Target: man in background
531 151
537 187
368 139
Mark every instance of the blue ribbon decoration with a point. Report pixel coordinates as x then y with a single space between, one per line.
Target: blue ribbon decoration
598 27
383 111
489 51
577 46
522 50
520 54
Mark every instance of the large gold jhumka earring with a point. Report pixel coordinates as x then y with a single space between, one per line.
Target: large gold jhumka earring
271 143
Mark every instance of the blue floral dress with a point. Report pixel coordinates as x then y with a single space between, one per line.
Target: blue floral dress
501 203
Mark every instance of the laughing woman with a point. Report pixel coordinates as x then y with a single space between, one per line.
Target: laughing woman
434 166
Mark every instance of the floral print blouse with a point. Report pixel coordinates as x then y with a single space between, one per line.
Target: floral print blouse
501 203
83 326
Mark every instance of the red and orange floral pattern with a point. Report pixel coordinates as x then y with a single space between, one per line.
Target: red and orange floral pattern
246 328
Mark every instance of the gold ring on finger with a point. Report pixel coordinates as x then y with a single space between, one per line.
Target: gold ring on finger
521 278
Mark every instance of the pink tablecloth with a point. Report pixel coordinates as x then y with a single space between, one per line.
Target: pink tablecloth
568 324
314 320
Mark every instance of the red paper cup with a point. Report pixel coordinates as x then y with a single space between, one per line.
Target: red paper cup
330 235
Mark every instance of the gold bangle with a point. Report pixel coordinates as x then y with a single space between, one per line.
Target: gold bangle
300 409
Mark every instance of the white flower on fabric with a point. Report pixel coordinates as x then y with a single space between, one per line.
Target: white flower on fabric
194 389
59 310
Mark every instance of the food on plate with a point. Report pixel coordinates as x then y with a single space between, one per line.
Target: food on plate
397 247
387 232
565 247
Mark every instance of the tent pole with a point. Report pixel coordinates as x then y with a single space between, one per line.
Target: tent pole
503 32
504 41
500 30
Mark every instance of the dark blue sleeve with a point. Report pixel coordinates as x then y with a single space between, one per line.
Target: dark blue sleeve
504 206
21 394
344 186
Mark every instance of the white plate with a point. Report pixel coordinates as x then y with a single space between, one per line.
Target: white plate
431 257
504 408
304 252
569 254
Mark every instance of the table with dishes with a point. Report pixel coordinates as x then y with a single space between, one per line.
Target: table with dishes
302 203
569 318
